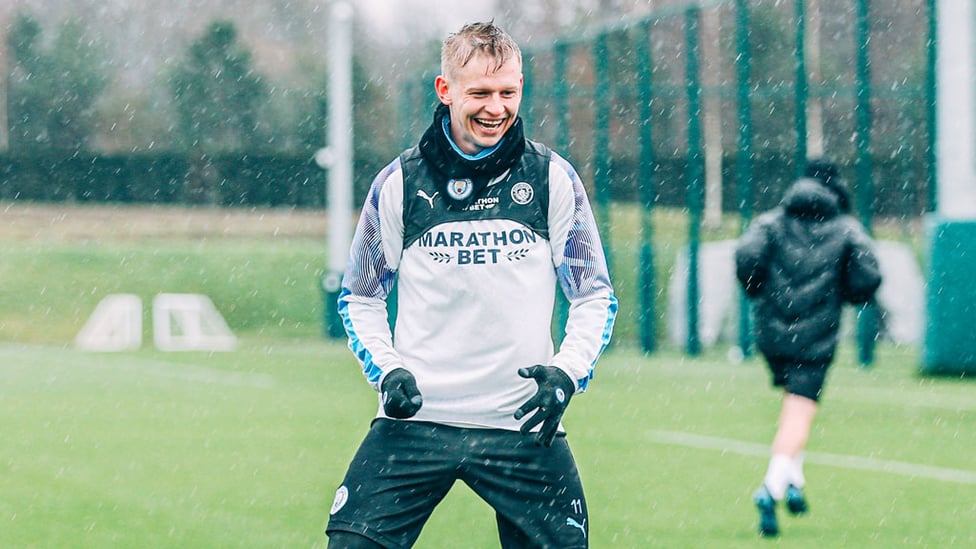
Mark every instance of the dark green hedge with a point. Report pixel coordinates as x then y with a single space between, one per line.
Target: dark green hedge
899 184
232 180
281 180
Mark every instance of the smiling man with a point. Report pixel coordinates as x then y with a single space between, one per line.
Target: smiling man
483 95
477 226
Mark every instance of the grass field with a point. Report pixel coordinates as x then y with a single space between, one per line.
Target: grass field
245 448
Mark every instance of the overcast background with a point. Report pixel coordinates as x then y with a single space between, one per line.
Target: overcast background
140 43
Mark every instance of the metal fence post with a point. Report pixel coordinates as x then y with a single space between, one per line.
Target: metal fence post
647 186
931 181
601 140
802 89
560 100
867 318
526 111
693 174
743 163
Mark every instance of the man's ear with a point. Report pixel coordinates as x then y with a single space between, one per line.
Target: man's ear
442 88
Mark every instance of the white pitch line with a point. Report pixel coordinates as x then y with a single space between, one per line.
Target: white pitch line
727 445
179 371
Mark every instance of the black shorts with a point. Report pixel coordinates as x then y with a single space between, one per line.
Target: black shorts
806 380
403 469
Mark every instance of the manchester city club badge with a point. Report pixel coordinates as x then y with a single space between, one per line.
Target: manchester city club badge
459 189
341 497
522 193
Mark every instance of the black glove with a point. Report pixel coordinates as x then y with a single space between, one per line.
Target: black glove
551 400
401 398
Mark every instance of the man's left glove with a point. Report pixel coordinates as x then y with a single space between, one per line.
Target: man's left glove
550 401
401 398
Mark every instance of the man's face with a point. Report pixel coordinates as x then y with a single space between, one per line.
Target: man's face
483 102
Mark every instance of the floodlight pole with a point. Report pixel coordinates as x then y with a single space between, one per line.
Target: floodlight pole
956 110
337 158
951 300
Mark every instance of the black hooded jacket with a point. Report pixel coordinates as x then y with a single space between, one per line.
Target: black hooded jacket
800 263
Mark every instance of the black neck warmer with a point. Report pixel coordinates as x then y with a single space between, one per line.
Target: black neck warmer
451 166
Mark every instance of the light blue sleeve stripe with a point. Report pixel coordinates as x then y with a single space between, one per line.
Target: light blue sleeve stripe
367 275
370 369
608 326
605 338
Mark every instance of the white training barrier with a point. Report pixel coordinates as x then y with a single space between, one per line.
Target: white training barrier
115 325
181 322
189 322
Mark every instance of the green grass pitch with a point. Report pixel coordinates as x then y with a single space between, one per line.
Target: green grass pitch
245 449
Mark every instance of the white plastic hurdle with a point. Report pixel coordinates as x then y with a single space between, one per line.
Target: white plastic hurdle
189 322
181 322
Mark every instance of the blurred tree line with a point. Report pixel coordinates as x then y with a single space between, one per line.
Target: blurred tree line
220 102
51 92
217 107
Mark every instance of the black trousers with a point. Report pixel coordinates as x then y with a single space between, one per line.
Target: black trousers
403 469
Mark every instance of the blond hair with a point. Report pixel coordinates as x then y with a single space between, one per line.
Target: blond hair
474 38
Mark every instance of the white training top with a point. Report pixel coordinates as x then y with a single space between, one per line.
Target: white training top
475 299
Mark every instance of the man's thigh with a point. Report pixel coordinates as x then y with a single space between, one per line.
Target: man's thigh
401 471
536 491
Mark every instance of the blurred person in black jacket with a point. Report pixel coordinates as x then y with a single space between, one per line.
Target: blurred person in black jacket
799 263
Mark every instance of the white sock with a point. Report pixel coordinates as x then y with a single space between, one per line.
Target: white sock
778 476
796 472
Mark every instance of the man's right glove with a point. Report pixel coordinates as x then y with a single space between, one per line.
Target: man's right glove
401 398
550 401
